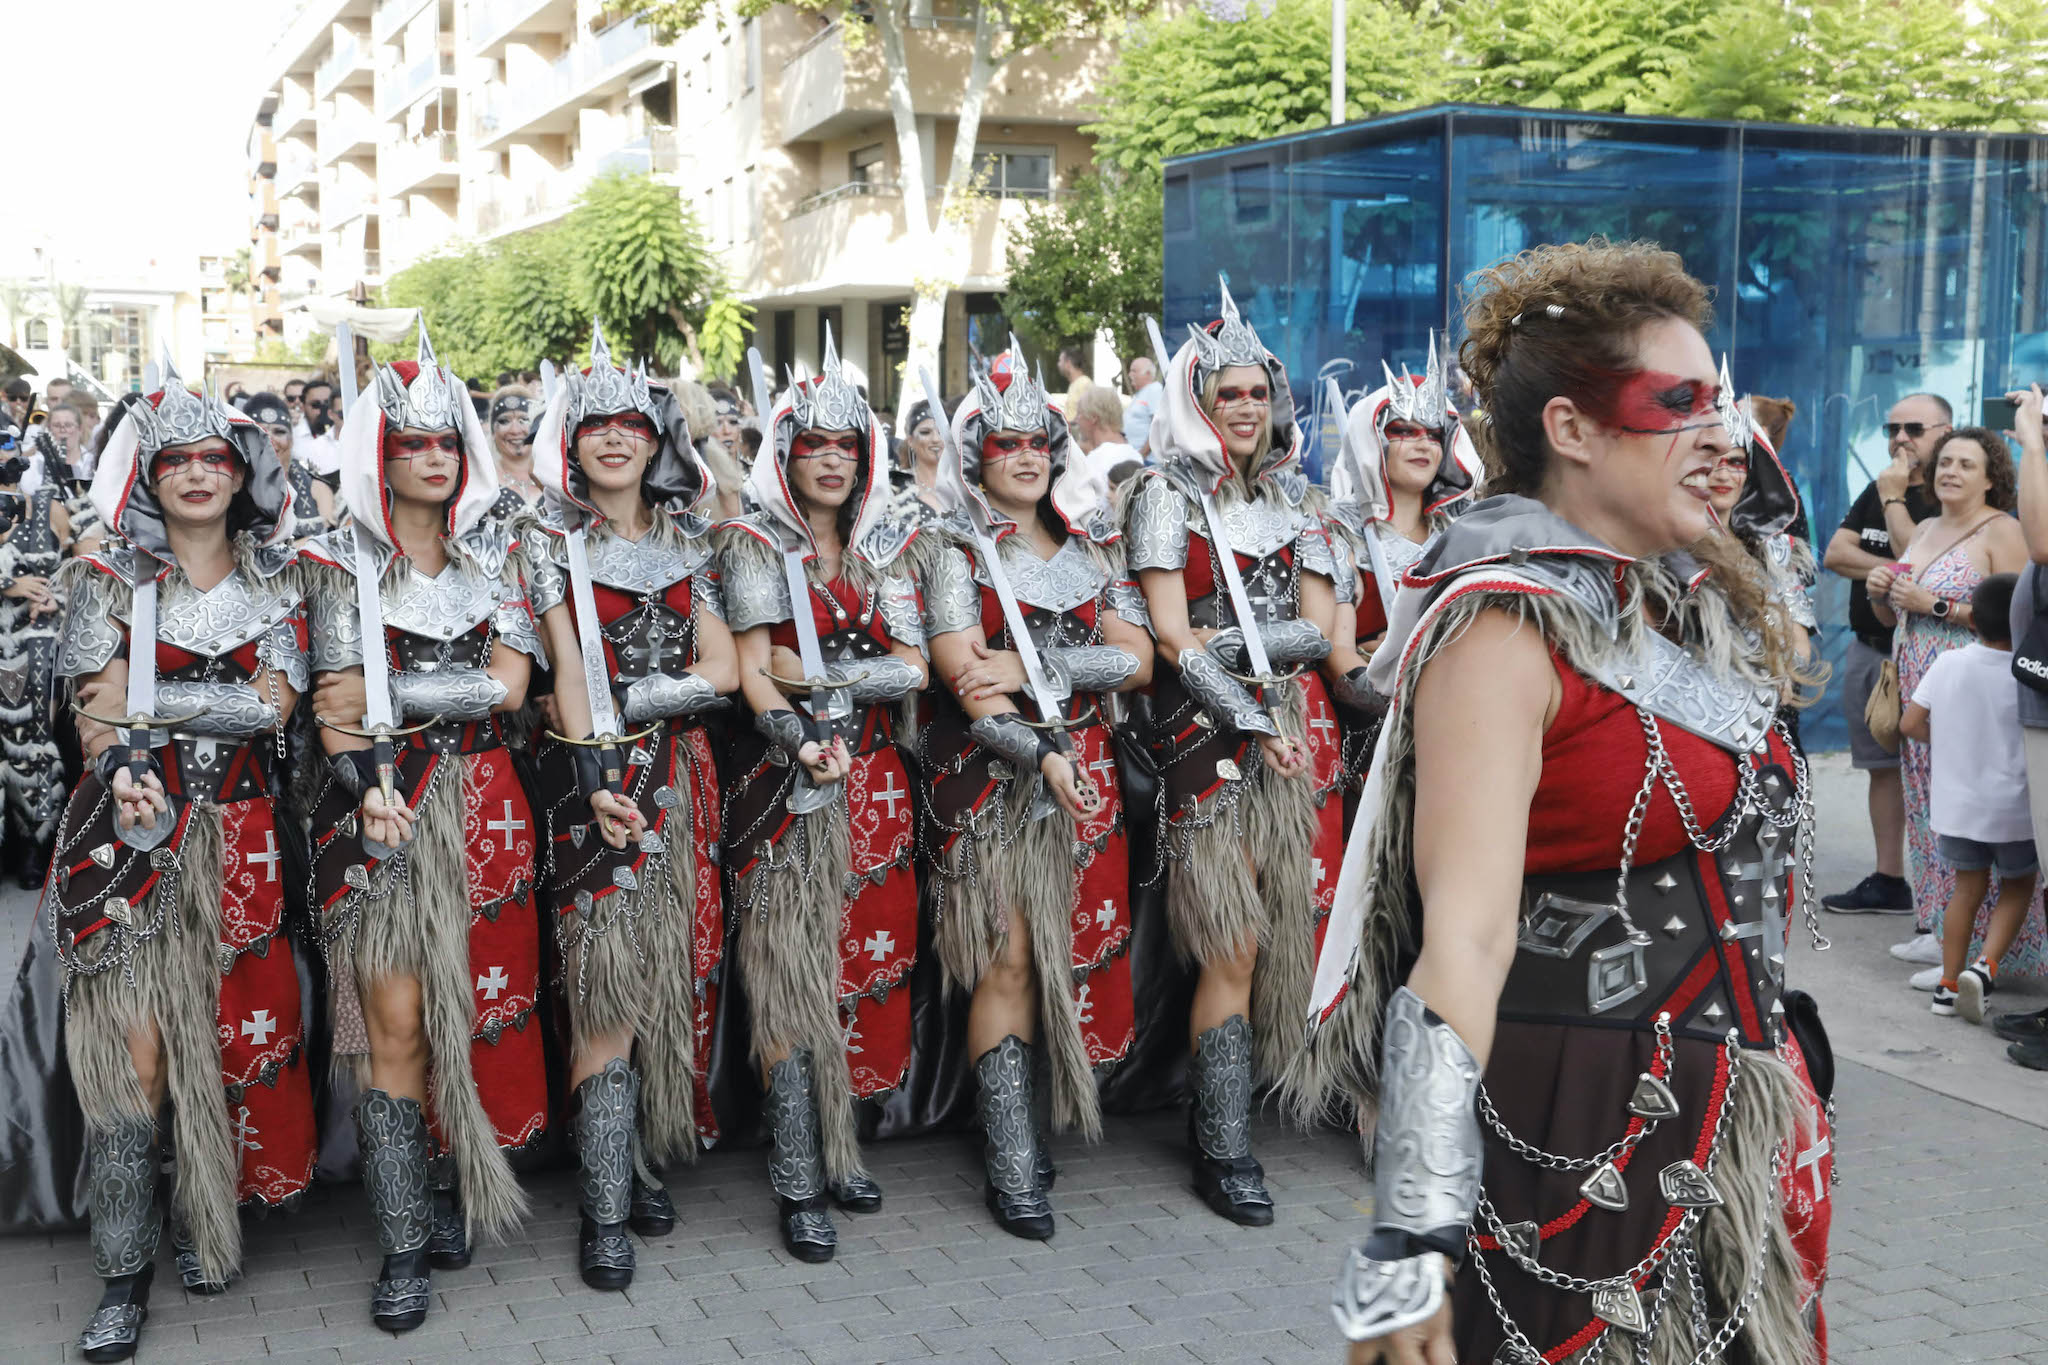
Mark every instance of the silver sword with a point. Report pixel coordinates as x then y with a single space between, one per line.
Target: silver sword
604 718
1376 561
827 707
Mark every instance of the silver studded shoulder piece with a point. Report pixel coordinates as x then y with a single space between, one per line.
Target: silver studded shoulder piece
1127 600
91 636
1313 552
1222 695
902 616
1666 680
751 579
1788 585
706 591
334 627
1156 526
1344 573
514 623
952 601
547 578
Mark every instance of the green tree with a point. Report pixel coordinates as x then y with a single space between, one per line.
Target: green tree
642 266
1917 64
723 339
532 304
1598 55
1090 262
450 288
1749 63
1189 82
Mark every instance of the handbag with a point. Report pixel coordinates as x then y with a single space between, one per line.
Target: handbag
1882 712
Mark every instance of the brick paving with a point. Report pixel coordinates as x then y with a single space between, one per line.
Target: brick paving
1938 1254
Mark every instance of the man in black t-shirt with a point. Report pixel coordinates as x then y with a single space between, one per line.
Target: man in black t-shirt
1876 531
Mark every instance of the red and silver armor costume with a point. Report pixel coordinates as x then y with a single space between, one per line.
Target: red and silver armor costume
1218 797
825 902
1641 1172
184 940
999 848
453 908
641 929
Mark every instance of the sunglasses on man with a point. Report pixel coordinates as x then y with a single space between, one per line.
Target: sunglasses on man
318 404
1913 430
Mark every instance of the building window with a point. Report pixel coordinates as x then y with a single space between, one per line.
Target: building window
1015 172
1180 206
868 165
36 334
1251 194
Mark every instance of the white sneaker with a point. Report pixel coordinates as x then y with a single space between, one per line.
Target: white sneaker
1926 980
1924 949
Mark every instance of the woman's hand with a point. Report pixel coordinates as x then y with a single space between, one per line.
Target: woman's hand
390 825
826 763
1910 594
1287 757
1075 794
619 822
2027 421
994 673
94 737
1879 584
1426 1343
550 713
36 592
341 699
784 662
138 802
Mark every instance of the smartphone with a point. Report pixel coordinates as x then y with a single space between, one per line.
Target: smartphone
2002 414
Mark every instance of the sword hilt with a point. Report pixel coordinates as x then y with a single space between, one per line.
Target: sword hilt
376 732
820 684
606 741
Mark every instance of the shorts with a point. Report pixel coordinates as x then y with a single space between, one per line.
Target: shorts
1860 666
2010 860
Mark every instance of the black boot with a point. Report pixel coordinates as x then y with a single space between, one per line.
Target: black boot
1041 1116
1227 1176
609 1104
857 1194
448 1245
1010 1148
796 1163
393 1135
121 1176
190 1272
654 1213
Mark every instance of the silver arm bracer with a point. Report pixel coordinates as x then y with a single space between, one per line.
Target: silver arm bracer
1087 668
1427 1158
1010 737
1354 691
663 695
1294 642
451 694
784 729
1222 695
871 680
222 710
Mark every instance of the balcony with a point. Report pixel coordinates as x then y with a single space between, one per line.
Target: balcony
349 130
263 155
299 232
294 112
342 200
348 63
828 90
399 88
416 163
852 241
506 208
390 16
493 23
592 67
296 172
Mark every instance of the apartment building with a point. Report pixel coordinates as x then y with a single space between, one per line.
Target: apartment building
390 127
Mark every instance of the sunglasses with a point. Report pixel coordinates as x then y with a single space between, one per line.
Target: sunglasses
1914 430
1230 397
323 404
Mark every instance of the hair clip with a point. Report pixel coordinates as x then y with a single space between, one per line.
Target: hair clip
1555 310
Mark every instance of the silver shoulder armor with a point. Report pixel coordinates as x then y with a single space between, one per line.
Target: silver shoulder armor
547 572
1313 552
91 636
901 614
952 599
751 580
334 628
1156 526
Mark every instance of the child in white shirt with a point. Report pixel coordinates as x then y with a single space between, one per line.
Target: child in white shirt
1967 711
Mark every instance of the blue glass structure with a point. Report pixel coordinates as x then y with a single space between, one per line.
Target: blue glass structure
1849 266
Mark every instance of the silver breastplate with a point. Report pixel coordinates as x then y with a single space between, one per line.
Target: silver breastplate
227 616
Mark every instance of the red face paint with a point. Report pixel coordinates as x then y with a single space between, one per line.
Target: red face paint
997 446
213 458
813 445
1653 403
414 445
1409 431
625 423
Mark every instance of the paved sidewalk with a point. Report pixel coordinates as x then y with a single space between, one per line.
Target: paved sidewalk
1938 1255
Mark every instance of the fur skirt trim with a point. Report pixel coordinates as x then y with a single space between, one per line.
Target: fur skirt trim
1008 870
176 991
788 953
415 922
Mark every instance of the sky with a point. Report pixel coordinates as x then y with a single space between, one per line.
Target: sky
132 117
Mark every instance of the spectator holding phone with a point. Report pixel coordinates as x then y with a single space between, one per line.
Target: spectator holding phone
1876 531
1966 712
1927 594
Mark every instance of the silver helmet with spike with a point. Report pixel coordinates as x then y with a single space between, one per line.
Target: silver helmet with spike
1020 403
1426 404
830 402
1734 417
1232 343
428 402
607 389
179 416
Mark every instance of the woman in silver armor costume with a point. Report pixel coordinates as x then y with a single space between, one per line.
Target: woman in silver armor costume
185 641
627 595
818 824
312 500
1600 1115
512 413
1239 583
1032 913
1756 502
423 858
36 545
